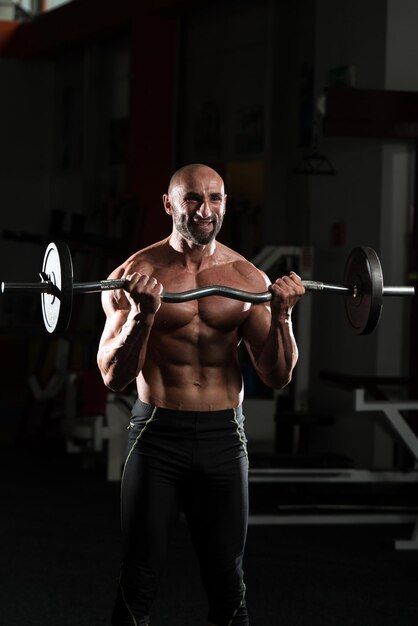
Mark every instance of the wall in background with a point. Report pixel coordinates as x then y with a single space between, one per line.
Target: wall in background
248 83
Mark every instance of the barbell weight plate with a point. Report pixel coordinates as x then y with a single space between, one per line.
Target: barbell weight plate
57 266
364 273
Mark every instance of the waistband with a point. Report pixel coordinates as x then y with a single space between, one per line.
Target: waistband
143 409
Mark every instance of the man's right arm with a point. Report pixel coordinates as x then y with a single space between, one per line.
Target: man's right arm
129 320
122 349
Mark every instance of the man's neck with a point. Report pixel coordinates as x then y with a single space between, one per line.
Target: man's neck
191 255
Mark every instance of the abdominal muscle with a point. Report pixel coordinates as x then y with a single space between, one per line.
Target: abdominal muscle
183 372
206 392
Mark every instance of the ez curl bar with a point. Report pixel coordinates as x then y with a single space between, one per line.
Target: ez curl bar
363 289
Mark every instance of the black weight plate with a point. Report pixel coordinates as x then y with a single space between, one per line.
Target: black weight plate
58 268
364 273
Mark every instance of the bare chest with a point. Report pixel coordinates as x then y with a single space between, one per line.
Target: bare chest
216 312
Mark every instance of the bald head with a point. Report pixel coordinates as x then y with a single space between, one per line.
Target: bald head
189 173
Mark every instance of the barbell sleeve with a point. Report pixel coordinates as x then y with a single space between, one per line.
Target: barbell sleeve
41 287
398 291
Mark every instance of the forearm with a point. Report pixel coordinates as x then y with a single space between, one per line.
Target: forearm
121 358
277 359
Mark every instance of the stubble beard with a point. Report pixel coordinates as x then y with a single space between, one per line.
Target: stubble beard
189 229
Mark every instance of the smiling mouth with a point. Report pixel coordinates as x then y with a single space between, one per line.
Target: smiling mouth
203 222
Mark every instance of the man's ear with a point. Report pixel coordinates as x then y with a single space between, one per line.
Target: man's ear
167 204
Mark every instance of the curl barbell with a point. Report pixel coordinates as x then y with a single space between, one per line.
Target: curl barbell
363 289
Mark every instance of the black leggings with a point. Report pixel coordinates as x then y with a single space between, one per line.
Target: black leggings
191 461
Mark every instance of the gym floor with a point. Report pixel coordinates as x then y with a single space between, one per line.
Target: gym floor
60 548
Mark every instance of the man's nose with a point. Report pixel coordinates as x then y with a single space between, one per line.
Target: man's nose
204 210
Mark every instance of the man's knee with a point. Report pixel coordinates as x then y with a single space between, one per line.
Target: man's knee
137 587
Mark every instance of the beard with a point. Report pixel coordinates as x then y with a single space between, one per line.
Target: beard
196 231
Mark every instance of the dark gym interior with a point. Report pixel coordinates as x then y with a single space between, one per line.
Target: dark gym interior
309 111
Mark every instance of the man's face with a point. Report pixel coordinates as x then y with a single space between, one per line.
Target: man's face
197 204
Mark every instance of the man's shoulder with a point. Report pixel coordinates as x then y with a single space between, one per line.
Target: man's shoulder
243 267
227 255
146 259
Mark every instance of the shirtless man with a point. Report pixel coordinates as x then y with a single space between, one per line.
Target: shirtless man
187 447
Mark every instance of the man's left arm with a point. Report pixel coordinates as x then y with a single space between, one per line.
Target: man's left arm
268 332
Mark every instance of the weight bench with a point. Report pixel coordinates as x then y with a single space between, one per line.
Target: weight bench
392 411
